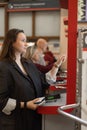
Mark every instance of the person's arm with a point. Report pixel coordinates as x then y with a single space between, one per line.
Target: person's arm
44 69
12 104
6 103
30 104
51 75
9 106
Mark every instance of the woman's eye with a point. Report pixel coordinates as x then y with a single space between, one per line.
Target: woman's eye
23 40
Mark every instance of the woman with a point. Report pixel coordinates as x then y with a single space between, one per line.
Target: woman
53 67
20 85
42 68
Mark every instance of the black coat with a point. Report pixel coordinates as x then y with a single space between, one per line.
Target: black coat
16 85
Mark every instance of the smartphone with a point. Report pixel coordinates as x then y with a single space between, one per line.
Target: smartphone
52 97
40 101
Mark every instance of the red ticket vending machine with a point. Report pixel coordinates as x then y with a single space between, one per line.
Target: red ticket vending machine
71 57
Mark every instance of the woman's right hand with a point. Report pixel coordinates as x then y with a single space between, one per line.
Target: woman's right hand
31 104
60 60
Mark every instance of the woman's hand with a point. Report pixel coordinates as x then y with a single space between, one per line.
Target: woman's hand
60 60
31 104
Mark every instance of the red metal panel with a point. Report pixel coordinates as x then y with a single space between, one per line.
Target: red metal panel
50 110
72 51
71 64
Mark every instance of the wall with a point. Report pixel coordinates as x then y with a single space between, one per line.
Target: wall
57 122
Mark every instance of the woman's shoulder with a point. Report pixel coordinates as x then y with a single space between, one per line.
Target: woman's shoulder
4 65
3 62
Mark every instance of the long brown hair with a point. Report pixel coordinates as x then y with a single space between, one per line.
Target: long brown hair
7 48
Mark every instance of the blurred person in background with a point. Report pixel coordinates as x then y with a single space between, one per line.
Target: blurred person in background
49 69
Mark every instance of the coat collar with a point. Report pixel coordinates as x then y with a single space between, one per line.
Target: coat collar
28 68
14 64
31 71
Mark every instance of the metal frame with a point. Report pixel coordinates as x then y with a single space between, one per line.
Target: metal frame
62 108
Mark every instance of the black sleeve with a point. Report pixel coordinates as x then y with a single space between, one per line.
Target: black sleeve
3 86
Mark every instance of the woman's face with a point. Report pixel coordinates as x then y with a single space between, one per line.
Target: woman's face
20 45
